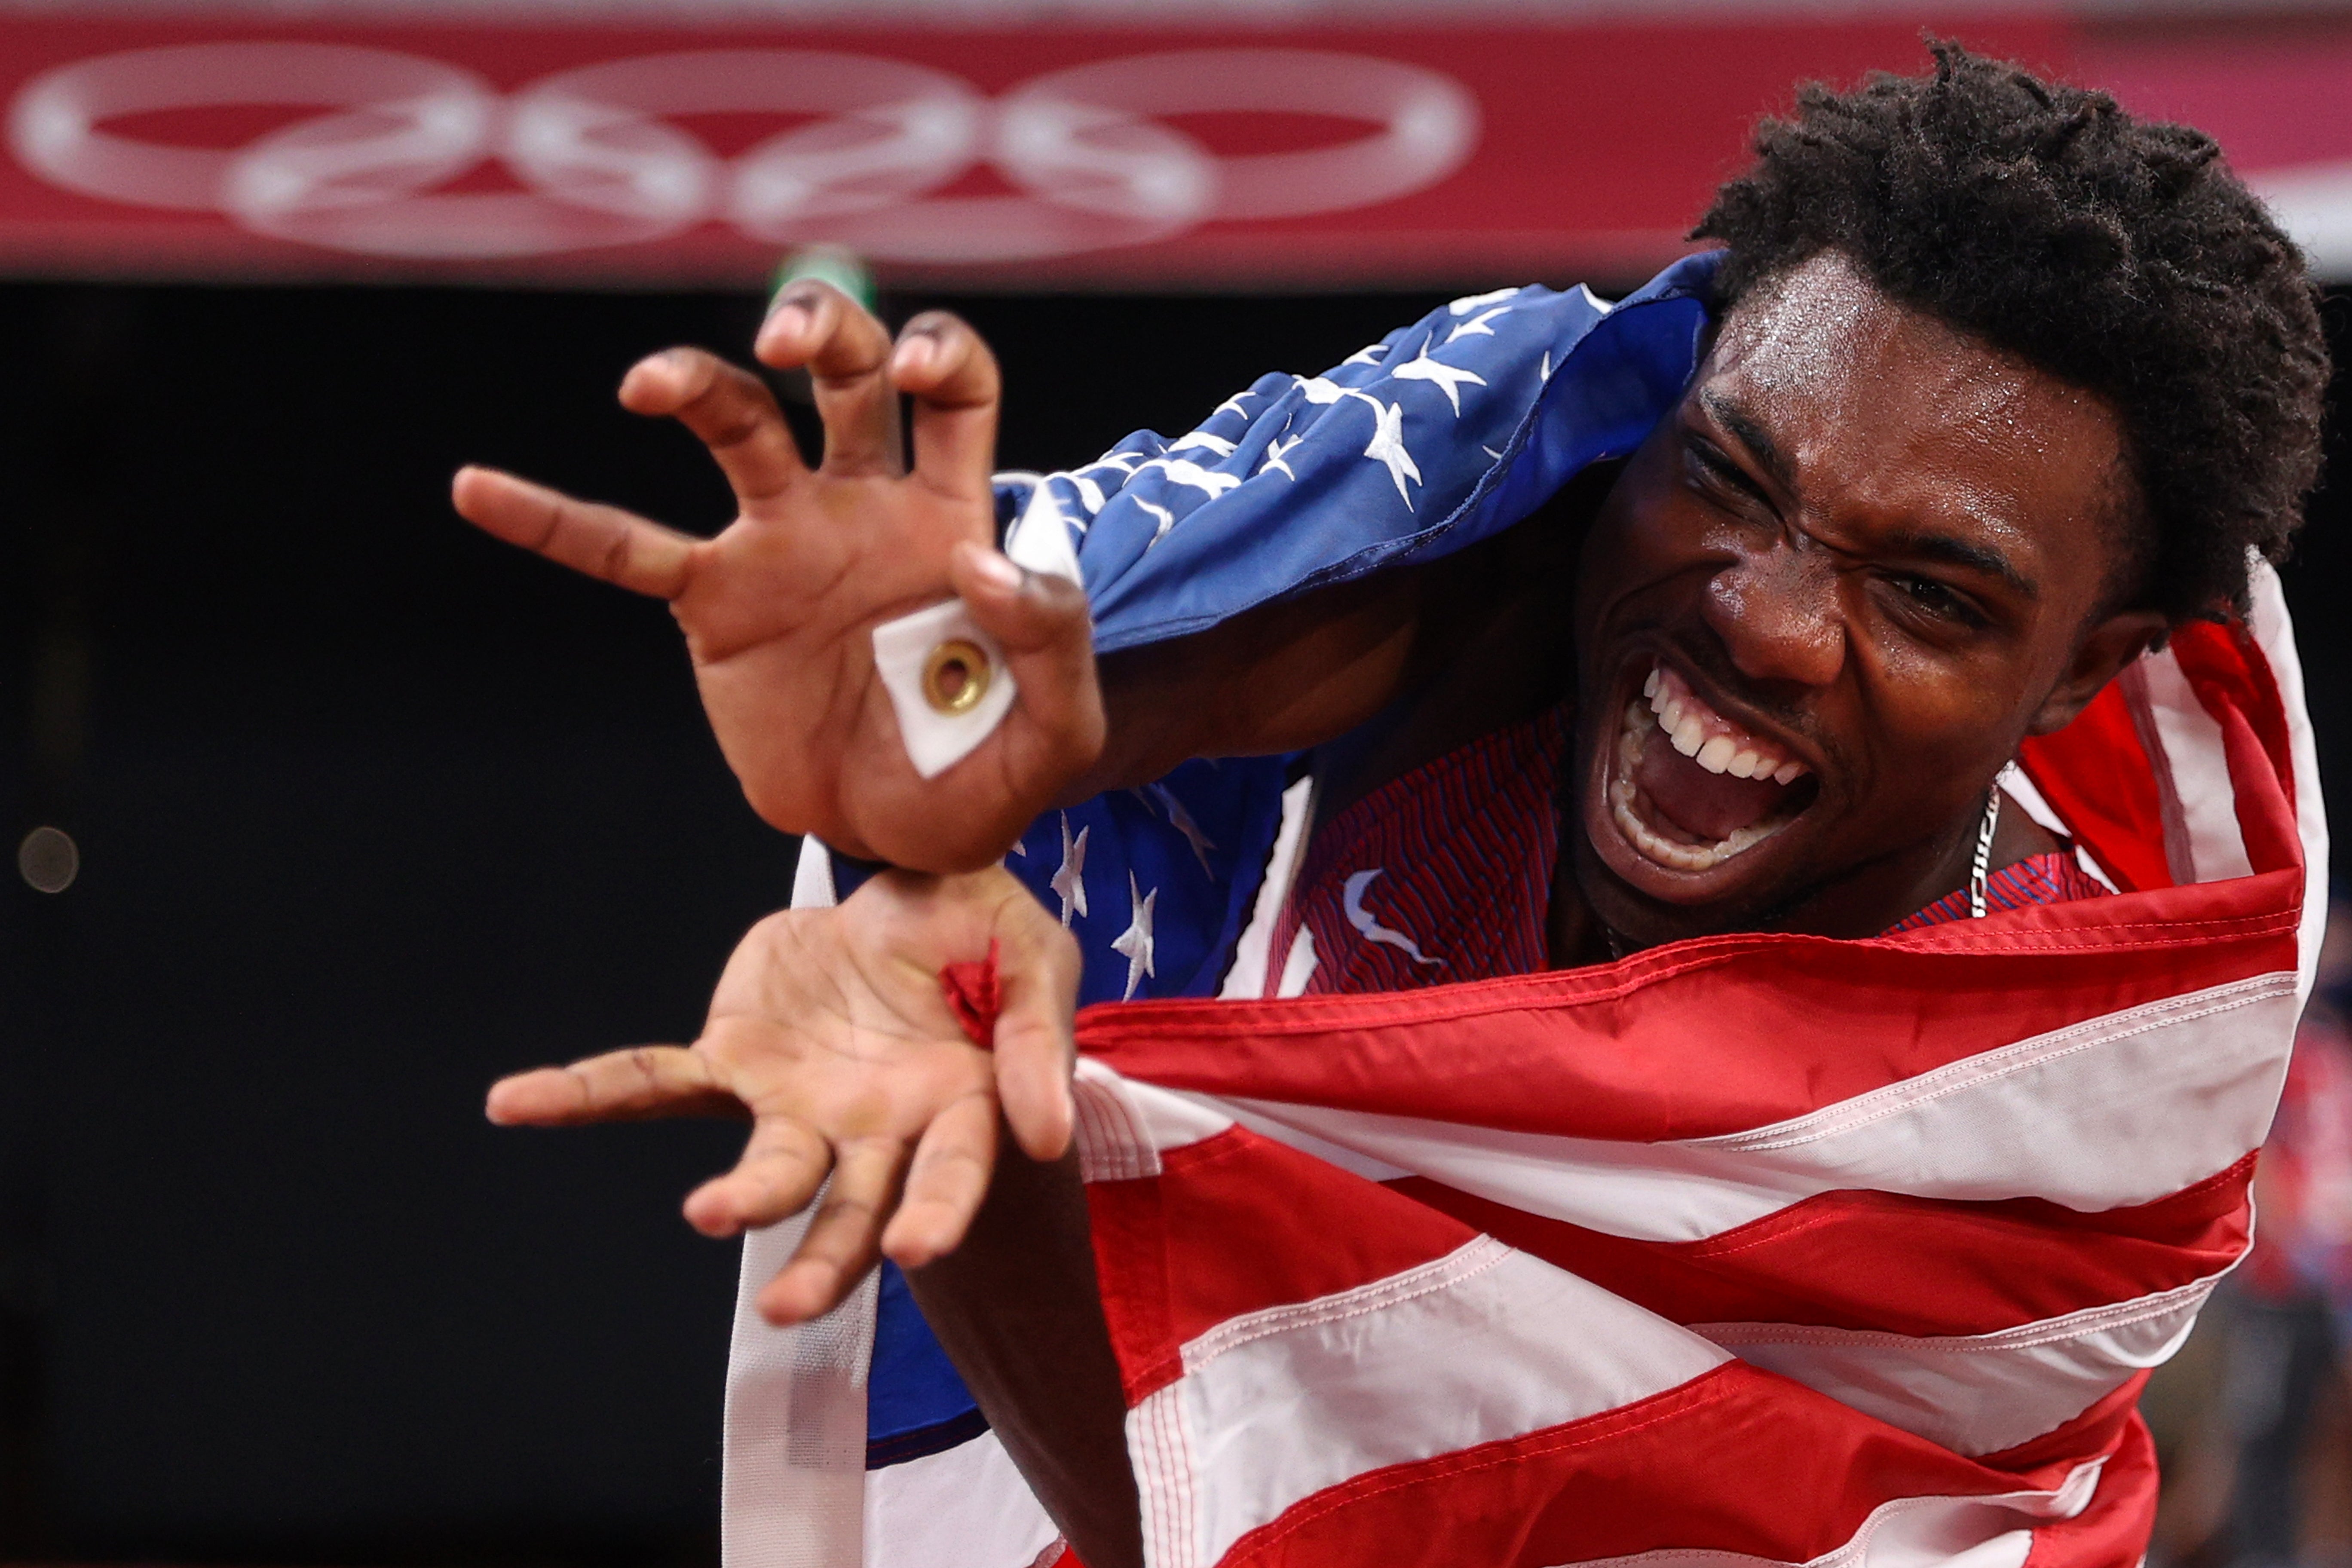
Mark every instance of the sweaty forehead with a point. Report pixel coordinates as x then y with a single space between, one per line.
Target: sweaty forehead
1884 415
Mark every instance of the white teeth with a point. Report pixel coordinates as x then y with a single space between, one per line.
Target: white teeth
1698 732
1716 753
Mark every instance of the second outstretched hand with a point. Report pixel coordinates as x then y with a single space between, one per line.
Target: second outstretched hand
832 1030
779 608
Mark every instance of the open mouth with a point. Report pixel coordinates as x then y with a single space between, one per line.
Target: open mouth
1691 789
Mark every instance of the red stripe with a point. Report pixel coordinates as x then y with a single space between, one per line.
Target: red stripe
1235 1224
1901 1265
1739 1460
1715 1035
2114 1531
2098 778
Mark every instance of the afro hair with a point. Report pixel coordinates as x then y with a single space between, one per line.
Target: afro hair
2118 255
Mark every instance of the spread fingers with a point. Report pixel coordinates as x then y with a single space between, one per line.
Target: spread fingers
846 349
731 410
946 1183
619 547
619 1086
948 371
784 1164
845 1238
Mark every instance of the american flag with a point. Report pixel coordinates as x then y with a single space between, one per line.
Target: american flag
1764 1249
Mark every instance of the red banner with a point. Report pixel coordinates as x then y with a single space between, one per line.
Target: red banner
1002 157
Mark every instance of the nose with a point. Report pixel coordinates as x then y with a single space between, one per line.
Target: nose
1776 611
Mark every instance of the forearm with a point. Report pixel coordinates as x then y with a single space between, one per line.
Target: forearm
1294 675
1282 678
1018 1310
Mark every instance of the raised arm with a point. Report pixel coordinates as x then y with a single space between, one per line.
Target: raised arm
779 608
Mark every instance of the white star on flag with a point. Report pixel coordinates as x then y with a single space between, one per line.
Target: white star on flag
1184 471
1476 327
1322 389
1202 438
1388 446
1369 354
1277 451
1167 520
1134 943
1449 378
1469 302
1070 882
1233 403
1181 820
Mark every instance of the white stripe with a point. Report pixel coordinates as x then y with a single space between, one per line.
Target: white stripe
1124 1125
1363 1165
1976 1394
2212 847
1482 1345
792 1473
1917 1533
2273 629
965 1505
2121 1109
1165 1466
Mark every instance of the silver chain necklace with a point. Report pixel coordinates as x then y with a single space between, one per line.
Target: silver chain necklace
1984 855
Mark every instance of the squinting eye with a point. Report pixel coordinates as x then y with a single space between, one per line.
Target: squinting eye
1934 597
1714 473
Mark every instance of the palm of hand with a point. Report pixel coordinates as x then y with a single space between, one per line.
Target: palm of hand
838 1039
779 609
779 613
831 1028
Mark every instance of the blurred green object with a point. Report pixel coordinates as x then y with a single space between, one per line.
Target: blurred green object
843 269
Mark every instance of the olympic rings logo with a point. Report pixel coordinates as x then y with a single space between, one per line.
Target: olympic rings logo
1090 163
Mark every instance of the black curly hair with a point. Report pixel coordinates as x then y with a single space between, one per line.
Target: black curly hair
2119 255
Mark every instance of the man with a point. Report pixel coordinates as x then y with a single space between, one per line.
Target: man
2005 388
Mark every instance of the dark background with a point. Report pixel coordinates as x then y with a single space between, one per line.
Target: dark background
373 809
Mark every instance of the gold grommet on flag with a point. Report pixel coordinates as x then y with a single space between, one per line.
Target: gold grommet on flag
956 676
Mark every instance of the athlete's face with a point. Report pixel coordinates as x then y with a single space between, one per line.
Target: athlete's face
1829 596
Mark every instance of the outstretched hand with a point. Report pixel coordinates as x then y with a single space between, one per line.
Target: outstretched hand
832 1029
779 608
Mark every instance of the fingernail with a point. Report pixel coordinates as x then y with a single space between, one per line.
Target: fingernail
995 569
911 355
791 317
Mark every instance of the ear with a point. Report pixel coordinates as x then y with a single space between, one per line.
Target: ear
2099 657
